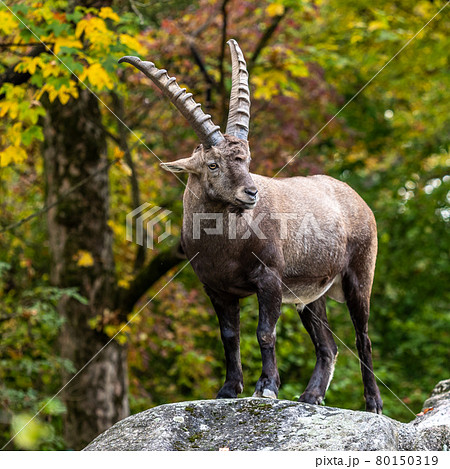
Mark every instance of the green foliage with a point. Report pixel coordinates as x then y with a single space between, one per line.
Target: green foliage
400 167
30 368
85 46
391 144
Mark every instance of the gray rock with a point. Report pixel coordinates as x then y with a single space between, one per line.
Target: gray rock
258 424
439 396
430 431
249 424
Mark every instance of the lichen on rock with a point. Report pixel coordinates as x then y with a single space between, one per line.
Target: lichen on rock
256 424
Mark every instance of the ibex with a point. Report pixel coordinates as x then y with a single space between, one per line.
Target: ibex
293 240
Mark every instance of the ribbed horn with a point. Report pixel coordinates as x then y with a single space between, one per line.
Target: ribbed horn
208 133
239 113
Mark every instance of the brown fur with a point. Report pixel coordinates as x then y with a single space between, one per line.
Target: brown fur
326 245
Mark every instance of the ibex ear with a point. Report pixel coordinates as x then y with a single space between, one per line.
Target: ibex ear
185 165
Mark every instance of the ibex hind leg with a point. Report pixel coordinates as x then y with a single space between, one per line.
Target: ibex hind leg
314 318
357 285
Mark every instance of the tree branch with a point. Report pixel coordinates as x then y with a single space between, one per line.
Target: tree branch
8 318
201 65
268 33
18 78
135 192
211 83
152 272
137 12
207 23
20 44
138 118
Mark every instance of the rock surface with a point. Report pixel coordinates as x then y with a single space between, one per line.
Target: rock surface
263 424
430 431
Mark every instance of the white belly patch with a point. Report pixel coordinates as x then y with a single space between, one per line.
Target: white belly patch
305 294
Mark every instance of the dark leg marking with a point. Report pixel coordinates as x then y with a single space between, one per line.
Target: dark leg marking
357 294
227 311
314 318
269 298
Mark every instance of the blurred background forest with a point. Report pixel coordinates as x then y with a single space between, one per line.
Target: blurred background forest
70 171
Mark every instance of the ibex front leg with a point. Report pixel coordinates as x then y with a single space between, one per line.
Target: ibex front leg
269 298
227 310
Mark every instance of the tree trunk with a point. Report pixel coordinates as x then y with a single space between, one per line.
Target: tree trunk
78 229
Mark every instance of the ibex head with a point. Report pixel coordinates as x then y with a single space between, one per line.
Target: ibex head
221 162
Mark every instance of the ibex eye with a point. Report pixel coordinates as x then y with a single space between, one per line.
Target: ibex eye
213 166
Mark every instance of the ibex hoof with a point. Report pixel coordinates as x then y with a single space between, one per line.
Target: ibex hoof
269 394
311 398
375 405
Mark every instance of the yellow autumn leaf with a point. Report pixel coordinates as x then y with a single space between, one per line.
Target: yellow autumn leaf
423 9
268 85
110 330
9 107
371 163
41 91
95 321
89 25
97 76
112 224
275 9
7 22
374 25
118 332
29 64
63 98
63 93
96 32
261 90
51 69
118 229
13 135
66 42
12 154
122 283
356 38
121 339
298 69
118 153
131 43
41 11
107 12
84 259
15 93
134 318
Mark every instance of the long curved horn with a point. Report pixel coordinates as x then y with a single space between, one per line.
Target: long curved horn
239 113
204 127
